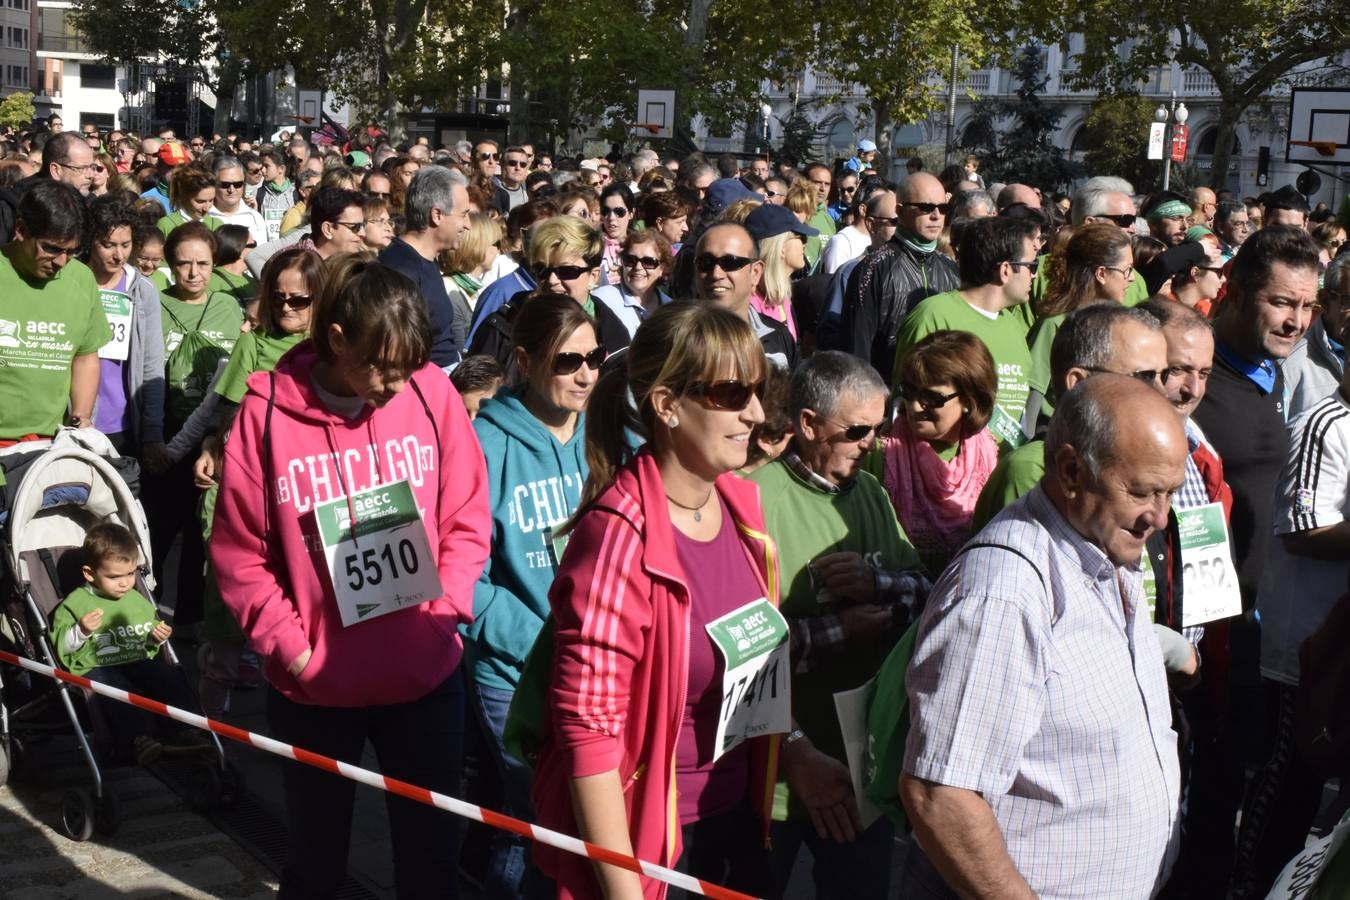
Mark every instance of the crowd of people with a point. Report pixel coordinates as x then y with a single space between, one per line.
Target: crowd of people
618 474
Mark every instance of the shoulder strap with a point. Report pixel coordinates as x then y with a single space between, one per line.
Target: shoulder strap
268 467
205 308
177 321
435 429
975 545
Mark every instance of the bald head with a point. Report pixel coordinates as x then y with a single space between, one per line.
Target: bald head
920 196
921 188
1115 453
1018 193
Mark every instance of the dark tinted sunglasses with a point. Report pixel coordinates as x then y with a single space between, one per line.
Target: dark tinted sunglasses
567 363
929 208
618 212
729 395
295 301
631 261
564 273
706 262
855 433
487 156
1124 220
230 185
928 400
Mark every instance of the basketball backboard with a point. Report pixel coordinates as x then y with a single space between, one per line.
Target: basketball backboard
1319 127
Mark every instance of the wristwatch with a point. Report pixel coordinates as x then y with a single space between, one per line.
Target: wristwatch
793 737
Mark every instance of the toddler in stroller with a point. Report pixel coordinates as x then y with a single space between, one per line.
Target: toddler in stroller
109 632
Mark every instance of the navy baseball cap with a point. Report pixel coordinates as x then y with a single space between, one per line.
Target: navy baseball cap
769 220
725 191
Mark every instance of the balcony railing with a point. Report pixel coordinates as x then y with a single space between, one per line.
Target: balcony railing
828 86
61 43
1196 81
977 82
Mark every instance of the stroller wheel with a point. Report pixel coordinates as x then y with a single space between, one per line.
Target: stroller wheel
203 788
77 814
107 813
231 786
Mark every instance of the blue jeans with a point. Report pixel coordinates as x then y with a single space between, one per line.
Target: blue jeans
420 742
509 869
860 870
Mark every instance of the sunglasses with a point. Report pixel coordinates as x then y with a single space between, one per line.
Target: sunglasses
255 171
568 363
769 195
855 433
251 245
1217 270
99 168
706 262
296 302
1147 376
516 164
356 227
928 209
564 273
886 220
632 260
1124 220
928 400
229 185
618 212
486 156
733 396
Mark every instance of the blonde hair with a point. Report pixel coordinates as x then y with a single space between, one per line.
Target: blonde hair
801 198
483 232
776 283
565 236
680 346
739 211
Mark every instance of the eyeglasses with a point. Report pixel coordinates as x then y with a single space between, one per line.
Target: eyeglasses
706 262
229 185
1124 220
618 212
356 227
296 302
56 250
1031 265
251 245
1217 270
1124 272
196 145
886 220
632 260
928 400
516 164
568 363
99 169
769 195
385 221
848 190
729 395
81 169
486 156
854 433
928 209
255 170
1147 376
564 273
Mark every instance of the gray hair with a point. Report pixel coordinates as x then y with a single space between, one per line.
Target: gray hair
463 147
1226 209
819 383
968 200
307 176
225 162
1108 183
1083 420
1089 201
1337 278
644 160
1176 315
1084 339
431 188
562 179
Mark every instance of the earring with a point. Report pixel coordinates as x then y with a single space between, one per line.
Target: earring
673 422
965 410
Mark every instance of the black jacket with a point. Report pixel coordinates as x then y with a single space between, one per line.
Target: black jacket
884 287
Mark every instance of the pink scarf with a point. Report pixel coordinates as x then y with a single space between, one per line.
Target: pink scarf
781 313
933 499
609 263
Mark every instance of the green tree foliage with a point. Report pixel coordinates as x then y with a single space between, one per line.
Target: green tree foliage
1247 46
17 109
1016 138
1116 136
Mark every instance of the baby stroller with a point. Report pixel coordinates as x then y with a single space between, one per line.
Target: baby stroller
52 493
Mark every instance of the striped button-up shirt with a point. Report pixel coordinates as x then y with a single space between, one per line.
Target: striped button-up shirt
1042 688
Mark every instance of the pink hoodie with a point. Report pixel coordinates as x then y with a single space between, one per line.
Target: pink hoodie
278 588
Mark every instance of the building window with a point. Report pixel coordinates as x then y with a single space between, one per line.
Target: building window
96 76
16 38
17 4
16 76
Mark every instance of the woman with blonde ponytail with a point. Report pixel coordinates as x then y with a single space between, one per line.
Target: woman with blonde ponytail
637 755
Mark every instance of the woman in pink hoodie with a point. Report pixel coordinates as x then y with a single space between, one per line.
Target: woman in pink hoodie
351 525
666 562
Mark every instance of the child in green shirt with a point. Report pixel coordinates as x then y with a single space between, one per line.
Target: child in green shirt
109 632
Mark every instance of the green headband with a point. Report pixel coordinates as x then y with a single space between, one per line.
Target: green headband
1167 210
1196 232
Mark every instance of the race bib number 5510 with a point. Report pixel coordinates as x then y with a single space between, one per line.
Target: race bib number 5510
379 558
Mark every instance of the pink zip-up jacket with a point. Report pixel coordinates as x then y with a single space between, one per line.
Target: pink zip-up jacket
275 581
618 686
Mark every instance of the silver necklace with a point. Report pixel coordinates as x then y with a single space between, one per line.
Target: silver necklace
696 510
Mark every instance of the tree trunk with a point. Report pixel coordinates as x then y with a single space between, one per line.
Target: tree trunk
1229 113
883 125
228 83
694 37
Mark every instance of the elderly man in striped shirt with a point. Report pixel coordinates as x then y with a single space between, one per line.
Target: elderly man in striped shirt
1041 760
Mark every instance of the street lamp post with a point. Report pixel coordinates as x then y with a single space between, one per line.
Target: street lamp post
1174 113
765 111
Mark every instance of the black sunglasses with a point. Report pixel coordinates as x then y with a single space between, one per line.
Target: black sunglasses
729 395
886 220
854 433
230 185
564 273
618 212
631 261
706 262
1147 376
929 208
568 363
1124 220
296 301
487 156
929 400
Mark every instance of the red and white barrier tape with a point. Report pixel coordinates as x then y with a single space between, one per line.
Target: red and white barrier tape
392 785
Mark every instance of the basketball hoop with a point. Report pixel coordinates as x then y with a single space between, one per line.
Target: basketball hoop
1323 148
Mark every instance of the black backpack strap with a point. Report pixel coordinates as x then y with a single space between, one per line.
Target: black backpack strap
268 467
435 429
975 545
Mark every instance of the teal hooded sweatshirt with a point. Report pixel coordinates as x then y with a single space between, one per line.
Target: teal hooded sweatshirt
535 483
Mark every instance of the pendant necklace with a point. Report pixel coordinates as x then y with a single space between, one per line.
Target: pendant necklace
696 510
